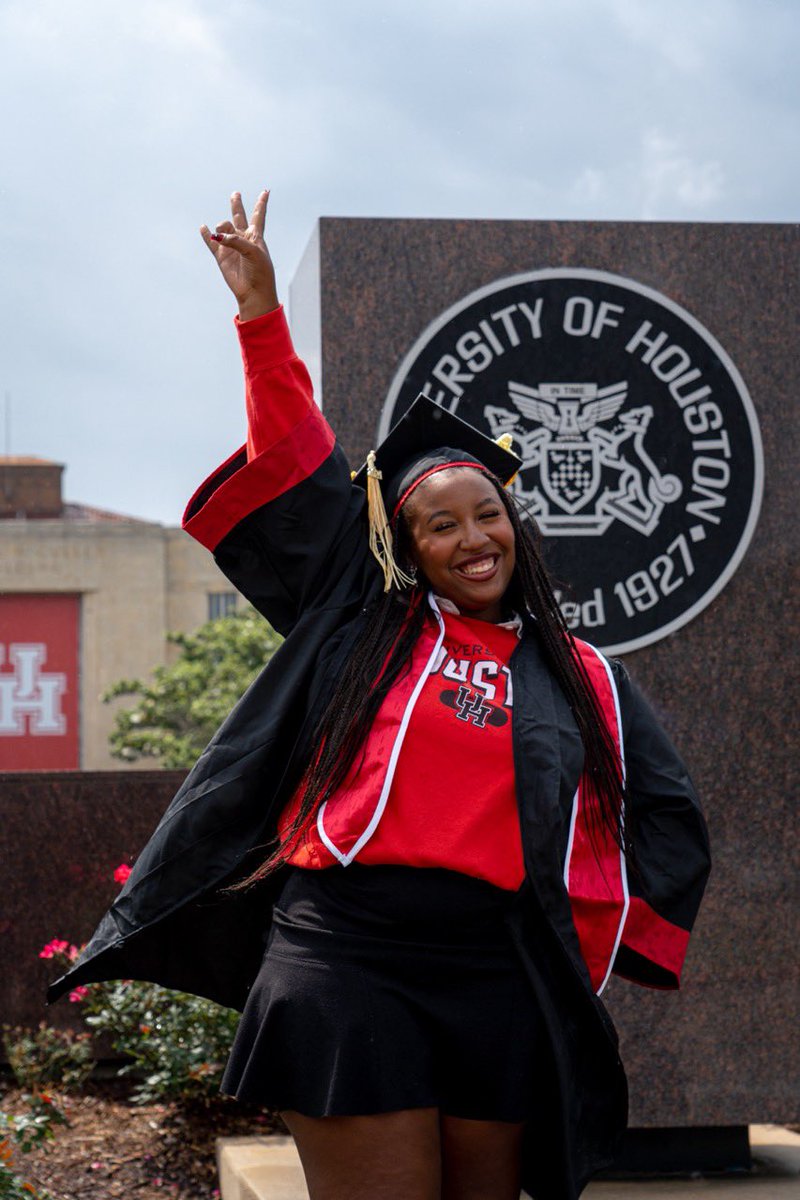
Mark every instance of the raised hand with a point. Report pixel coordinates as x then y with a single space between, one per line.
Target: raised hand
243 258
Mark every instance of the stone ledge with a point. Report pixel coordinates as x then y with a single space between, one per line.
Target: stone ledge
268 1168
257 1168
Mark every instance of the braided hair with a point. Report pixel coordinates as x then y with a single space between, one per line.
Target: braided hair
395 622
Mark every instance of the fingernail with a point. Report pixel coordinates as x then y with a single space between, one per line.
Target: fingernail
217 237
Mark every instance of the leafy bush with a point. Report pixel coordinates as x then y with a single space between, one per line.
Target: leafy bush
48 1057
28 1131
176 1044
12 1185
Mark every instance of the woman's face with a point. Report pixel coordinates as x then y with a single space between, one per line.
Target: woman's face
462 540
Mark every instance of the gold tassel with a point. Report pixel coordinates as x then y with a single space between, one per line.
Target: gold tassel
380 533
505 442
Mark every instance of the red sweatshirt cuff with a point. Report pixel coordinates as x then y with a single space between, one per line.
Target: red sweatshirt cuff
265 341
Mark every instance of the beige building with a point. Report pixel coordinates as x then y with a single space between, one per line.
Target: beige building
86 599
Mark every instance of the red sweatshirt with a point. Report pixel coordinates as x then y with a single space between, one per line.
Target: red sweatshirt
447 798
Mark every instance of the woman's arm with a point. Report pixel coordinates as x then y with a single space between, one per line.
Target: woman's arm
280 515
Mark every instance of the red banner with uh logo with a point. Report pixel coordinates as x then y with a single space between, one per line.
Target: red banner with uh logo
39 680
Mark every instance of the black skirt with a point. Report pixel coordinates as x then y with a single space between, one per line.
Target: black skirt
387 988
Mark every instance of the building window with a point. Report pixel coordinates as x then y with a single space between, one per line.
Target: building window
221 604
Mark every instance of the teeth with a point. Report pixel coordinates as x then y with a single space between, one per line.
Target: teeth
478 568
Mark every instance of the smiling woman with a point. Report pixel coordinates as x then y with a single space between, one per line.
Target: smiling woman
513 822
462 540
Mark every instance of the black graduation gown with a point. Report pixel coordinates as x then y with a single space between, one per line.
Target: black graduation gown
302 559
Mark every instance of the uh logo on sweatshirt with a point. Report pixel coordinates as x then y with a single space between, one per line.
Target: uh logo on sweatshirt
472 677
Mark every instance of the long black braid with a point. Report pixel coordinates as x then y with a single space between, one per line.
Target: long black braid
391 632
532 589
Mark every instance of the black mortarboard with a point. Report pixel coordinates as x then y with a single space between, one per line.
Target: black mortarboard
427 438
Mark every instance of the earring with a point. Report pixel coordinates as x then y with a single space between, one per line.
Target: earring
411 572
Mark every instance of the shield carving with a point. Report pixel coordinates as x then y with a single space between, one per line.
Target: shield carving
571 474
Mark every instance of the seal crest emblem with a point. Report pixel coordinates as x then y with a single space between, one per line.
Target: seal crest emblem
640 447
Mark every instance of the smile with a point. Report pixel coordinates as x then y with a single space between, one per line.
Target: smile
479 568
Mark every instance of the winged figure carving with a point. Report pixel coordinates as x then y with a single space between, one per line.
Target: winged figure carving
567 409
532 405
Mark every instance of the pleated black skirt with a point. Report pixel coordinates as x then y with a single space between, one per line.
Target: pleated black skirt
386 988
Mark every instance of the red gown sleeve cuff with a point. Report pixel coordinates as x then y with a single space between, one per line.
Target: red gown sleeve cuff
239 486
657 941
288 437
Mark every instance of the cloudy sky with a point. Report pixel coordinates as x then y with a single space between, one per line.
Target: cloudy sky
127 125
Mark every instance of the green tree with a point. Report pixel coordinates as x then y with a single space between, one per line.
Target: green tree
176 714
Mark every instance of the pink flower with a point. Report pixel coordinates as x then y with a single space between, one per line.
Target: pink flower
122 872
78 993
57 946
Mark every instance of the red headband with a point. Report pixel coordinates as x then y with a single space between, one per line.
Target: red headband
432 471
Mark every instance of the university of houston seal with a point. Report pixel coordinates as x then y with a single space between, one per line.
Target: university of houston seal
641 452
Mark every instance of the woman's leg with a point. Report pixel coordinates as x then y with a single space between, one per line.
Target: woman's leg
388 1156
480 1159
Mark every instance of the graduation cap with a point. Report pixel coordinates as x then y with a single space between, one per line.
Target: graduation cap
426 439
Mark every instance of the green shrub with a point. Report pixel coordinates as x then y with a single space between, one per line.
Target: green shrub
13 1186
176 1044
47 1057
28 1131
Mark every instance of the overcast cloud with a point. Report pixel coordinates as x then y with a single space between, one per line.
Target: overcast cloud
126 126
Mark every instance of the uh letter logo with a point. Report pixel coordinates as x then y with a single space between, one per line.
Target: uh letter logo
471 706
27 694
